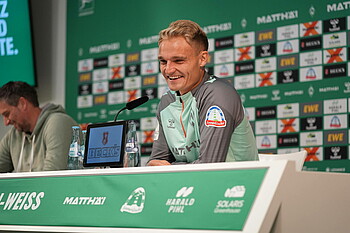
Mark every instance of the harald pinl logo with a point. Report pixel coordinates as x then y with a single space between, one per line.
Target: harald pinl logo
179 204
184 192
236 191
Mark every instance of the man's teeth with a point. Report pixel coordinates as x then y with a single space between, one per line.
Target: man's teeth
174 77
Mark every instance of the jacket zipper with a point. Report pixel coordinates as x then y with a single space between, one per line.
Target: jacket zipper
182 125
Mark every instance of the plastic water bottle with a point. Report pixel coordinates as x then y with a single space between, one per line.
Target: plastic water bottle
132 156
74 156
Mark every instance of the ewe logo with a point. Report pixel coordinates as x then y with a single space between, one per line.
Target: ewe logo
136 202
178 204
229 206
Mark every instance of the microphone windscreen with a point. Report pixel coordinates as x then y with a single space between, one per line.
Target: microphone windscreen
135 103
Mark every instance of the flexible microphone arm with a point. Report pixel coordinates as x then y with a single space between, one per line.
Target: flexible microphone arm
115 118
133 104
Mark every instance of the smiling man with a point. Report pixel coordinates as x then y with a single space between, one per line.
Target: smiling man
201 118
40 137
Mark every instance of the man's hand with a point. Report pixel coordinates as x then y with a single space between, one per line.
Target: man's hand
157 162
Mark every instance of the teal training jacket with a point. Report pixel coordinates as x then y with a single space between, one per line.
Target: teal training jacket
205 125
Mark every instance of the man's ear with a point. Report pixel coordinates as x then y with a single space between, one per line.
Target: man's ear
204 56
22 104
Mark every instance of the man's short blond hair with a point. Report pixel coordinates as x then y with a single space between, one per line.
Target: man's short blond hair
188 29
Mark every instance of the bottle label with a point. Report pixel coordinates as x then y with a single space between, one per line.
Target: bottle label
130 145
73 150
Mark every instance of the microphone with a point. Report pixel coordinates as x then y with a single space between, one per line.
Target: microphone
133 104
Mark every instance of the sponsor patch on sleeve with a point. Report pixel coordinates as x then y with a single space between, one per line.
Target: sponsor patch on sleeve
215 117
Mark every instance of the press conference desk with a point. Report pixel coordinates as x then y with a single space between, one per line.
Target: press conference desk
226 197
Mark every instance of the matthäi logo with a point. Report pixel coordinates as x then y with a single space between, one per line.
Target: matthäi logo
178 204
84 200
232 204
135 202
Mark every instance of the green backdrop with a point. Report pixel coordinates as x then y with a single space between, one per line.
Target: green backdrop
287 59
16 50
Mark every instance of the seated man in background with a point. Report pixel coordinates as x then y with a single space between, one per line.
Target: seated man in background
40 137
201 118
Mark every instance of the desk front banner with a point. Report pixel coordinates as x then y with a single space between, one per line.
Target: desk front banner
213 200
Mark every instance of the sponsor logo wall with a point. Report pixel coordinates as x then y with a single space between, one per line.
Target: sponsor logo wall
303 78
292 76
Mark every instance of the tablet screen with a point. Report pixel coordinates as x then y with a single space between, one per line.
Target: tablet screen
104 145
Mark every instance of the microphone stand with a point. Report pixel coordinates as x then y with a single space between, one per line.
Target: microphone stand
133 104
115 118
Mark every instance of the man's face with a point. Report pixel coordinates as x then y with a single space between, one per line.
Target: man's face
180 64
13 115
